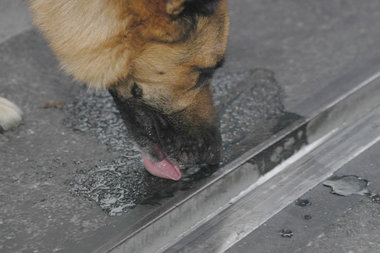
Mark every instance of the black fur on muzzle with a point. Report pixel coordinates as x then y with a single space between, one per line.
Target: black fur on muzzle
161 135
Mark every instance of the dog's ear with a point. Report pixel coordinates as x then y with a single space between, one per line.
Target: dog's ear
175 7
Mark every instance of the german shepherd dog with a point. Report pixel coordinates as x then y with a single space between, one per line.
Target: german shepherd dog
156 58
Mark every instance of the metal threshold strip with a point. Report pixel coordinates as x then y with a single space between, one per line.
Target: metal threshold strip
282 186
178 221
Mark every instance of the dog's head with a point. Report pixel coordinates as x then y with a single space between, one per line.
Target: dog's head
166 101
157 58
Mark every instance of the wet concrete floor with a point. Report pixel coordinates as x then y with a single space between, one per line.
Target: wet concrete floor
247 101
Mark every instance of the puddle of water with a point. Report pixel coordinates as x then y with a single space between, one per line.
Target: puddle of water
375 198
250 110
286 233
303 202
347 185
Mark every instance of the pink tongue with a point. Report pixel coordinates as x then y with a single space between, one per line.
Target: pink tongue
164 169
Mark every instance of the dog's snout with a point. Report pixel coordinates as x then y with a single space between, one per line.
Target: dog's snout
188 143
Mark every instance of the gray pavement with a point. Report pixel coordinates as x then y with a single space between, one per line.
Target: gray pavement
14 18
317 51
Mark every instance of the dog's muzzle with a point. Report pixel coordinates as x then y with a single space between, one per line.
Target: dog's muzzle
172 146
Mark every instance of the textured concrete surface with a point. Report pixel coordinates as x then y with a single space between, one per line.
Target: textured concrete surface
333 223
317 50
14 18
37 211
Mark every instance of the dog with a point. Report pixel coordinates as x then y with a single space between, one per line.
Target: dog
156 58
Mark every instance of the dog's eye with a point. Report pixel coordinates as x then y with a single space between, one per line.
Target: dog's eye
136 91
205 74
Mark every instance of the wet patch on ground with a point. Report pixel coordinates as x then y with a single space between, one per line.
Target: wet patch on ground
350 184
287 233
307 217
250 110
375 198
303 202
347 185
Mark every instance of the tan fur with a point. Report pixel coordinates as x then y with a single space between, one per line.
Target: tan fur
109 42
87 37
174 7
